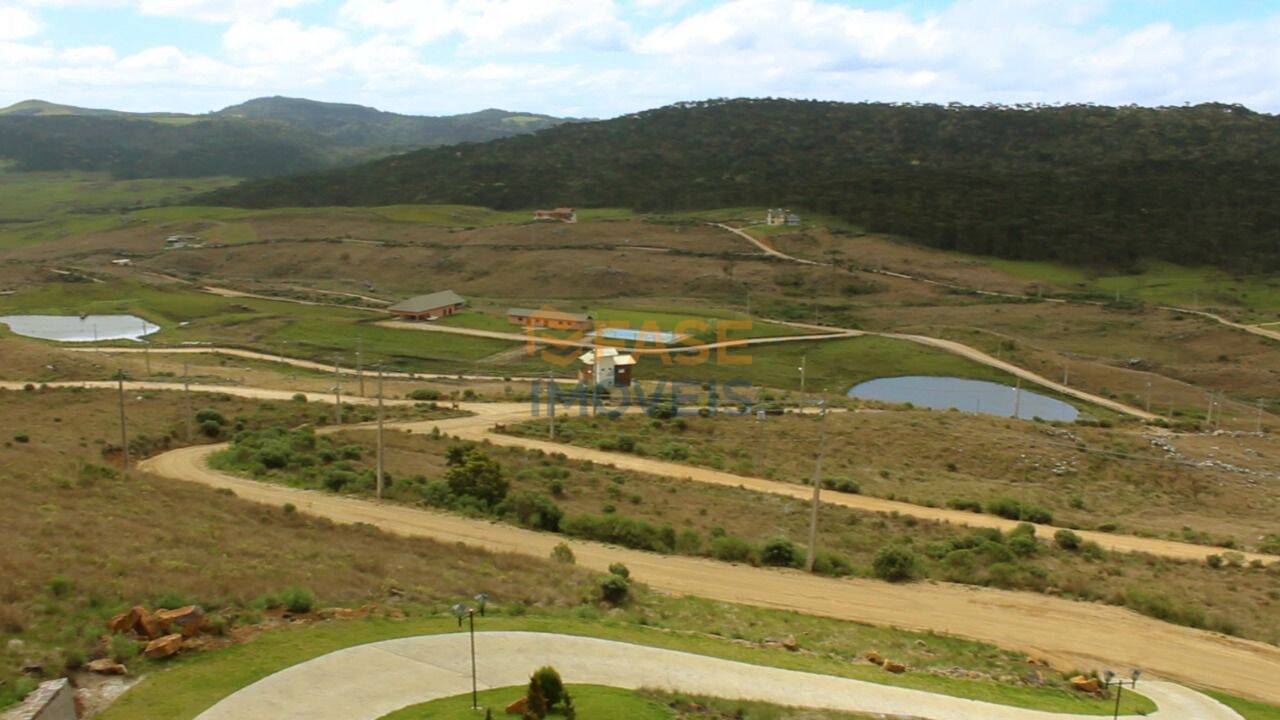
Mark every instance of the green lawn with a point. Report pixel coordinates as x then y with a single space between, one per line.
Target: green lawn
36 196
592 702
1248 709
192 683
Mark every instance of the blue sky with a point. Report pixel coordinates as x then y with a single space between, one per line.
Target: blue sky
602 58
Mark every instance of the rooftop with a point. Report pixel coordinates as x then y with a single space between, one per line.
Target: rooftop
423 303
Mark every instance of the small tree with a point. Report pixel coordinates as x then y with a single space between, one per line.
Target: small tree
535 707
563 553
478 476
552 686
615 589
894 563
1067 540
620 570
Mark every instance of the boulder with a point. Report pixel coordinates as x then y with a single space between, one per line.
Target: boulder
106 666
163 647
518 707
147 625
1086 685
186 621
341 613
124 622
894 666
875 658
789 642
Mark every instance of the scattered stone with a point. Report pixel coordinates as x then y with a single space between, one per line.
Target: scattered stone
1086 685
875 658
125 621
147 625
106 666
163 647
790 644
185 621
894 666
518 707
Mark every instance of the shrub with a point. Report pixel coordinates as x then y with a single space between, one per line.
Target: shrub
832 564
1214 561
477 476
780 552
298 600
622 530
21 438
625 443
844 485
894 563
1023 545
210 415
551 684
562 553
61 586
425 394
299 397
1067 540
1013 510
620 570
615 589
674 451
732 549
689 542
532 509
535 701
962 504
122 648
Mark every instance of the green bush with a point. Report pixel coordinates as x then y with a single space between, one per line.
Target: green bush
1023 545
780 552
532 509
479 477
615 589
622 530
894 564
620 570
1067 540
1013 510
733 549
844 485
962 504
562 553
552 686
123 648
298 600
425 394
831 564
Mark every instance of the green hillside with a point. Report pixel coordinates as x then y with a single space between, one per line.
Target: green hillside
1079 184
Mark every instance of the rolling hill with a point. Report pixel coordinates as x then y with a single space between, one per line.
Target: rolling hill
1081 184
259 138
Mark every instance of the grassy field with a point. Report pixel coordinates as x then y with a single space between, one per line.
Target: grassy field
1248 709
1086 477
37 196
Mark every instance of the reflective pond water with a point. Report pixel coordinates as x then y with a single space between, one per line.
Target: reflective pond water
980 396
73 328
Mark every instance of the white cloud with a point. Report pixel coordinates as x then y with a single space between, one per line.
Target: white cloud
88 55
17 23
496 26
280 42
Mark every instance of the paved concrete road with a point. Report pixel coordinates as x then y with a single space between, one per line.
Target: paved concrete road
368 681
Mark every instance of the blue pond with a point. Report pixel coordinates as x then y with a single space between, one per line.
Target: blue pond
73 328
980 396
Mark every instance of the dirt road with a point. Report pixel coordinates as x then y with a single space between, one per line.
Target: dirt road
366 682
764 248
1071 634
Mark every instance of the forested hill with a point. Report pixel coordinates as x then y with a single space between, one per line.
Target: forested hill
1083 184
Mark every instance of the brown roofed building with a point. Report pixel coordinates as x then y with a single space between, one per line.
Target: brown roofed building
428 307
553 319
563 214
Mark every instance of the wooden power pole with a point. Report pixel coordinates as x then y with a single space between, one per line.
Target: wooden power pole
337 392
817 488
380 450
186 396
124 428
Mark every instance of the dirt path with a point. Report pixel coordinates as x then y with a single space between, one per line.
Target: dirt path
766 249
1254 329
366 682
1071 634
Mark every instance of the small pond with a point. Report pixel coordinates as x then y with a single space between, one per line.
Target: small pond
73 328
980 396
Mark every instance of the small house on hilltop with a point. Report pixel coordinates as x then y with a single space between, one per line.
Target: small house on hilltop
553 319
609 367
428 307
561 214
779 216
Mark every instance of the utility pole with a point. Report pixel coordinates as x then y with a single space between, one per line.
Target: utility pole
804 361
1258 425
1148 395
817 487
337 392
1017 398
380 450
124 428
360 364
186 396
1208 416
1066 374
551 404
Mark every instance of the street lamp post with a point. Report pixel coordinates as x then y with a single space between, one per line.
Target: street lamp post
461 611
1112 678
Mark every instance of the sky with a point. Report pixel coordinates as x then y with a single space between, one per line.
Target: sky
603 58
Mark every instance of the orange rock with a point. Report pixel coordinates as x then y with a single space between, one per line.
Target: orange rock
106 666
163 647
123 622
147 625
518 707
340 613
894 667
875 658
185 621
789 642
1087 685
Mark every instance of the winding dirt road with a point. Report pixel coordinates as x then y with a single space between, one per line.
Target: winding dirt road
1071 634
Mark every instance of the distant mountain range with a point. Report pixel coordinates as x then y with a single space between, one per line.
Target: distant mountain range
1083 184
258 138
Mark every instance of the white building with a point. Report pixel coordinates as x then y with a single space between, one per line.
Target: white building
611 368
780 216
